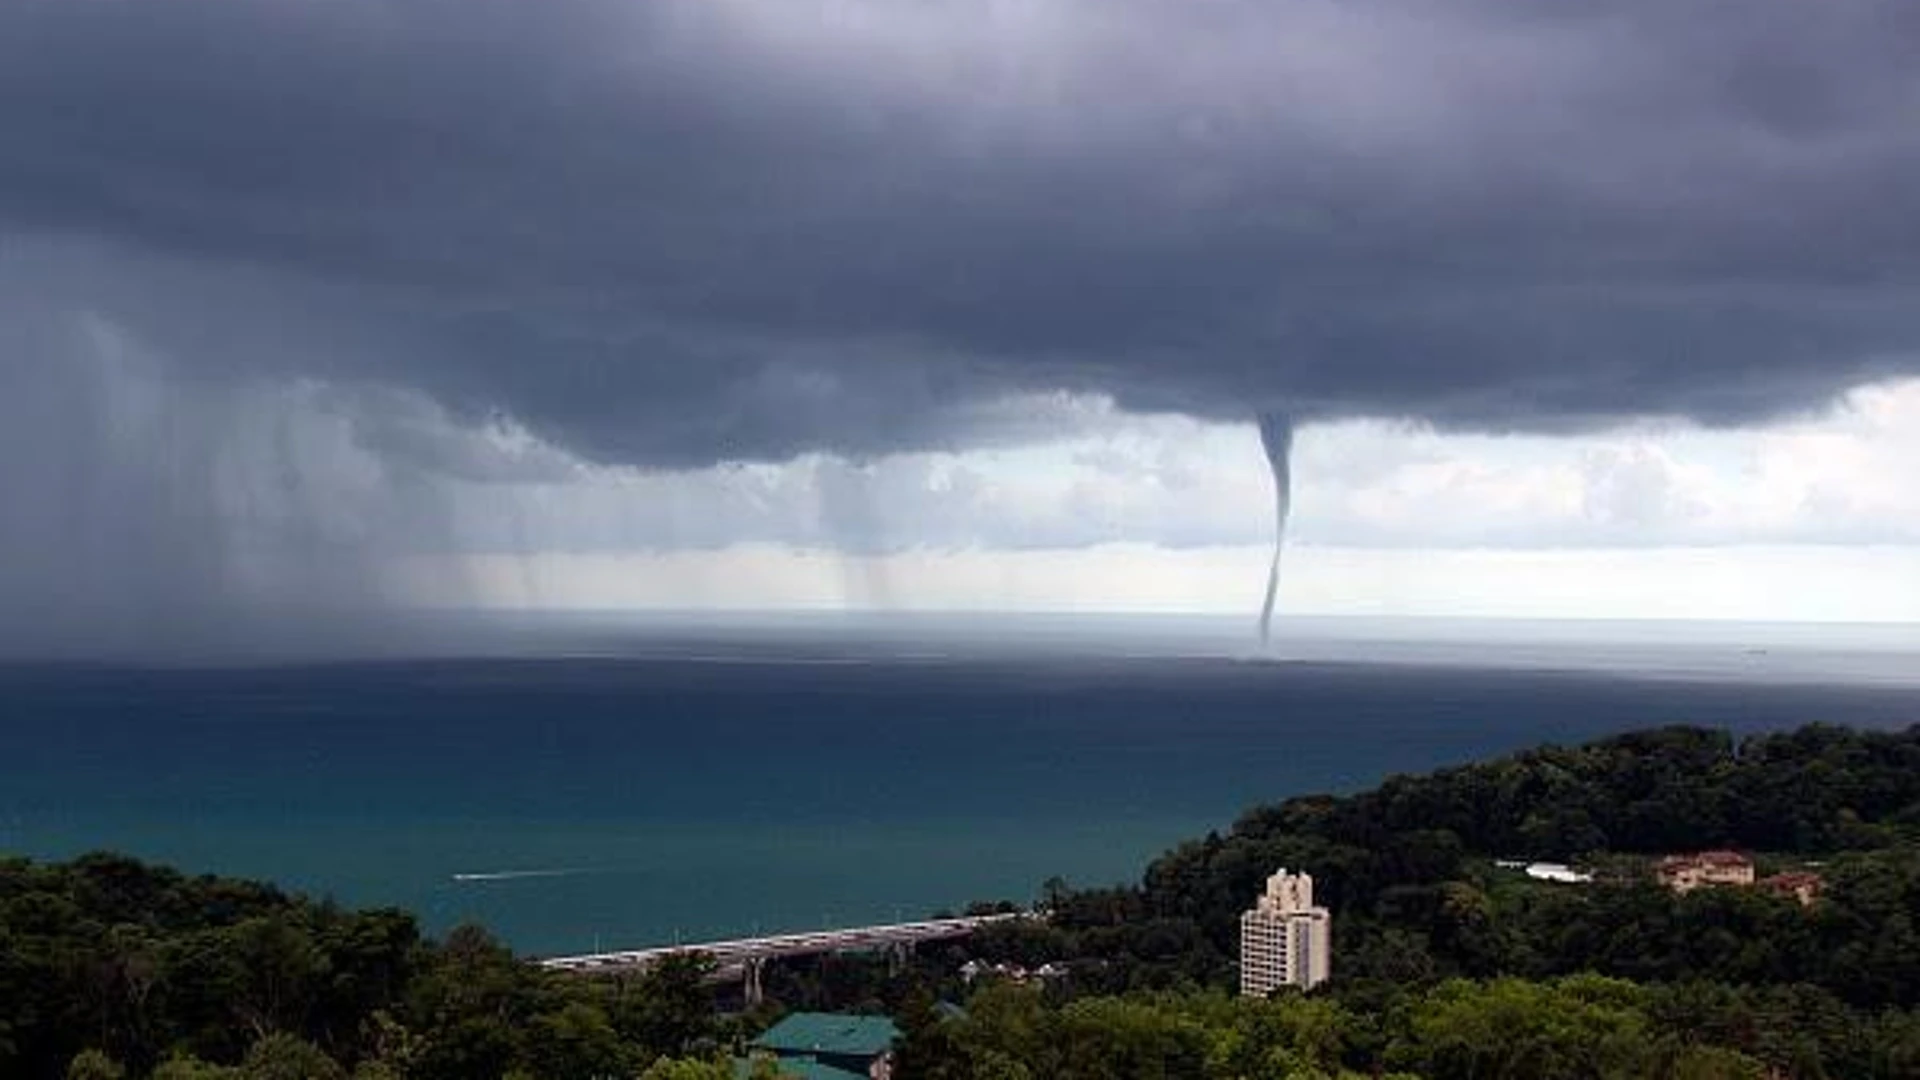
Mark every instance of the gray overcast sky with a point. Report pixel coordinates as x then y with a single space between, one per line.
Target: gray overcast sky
679 233
687 230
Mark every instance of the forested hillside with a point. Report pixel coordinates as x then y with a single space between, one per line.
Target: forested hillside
1446 963
154 969
1408 869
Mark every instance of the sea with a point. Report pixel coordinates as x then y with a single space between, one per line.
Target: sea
582 784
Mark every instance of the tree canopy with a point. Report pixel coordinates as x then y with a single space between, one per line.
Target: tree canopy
1446 963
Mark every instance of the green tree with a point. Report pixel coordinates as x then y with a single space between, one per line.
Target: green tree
94 1065
286 1057
470 1002
668 1010
192 1068
1579 1028
688 1069
927 1047
1711 1063
576 1040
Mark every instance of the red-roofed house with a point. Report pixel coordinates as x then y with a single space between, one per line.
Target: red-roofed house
1684 873
1801 885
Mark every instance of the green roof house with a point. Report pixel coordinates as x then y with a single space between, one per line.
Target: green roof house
831 1046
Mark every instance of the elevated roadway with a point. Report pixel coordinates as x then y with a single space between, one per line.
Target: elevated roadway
746 957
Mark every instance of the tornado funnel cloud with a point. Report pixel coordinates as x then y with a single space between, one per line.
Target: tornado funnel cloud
1276 438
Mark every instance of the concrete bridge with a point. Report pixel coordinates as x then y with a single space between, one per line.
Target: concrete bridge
745 958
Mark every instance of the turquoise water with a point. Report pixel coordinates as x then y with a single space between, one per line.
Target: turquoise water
661 796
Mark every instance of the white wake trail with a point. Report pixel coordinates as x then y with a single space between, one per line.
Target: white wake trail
516 875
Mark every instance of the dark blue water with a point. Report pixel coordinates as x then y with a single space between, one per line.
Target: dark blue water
661 798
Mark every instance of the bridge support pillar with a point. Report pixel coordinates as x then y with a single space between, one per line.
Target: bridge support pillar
755 993
899 954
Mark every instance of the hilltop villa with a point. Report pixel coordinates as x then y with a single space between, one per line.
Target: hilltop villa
1685 873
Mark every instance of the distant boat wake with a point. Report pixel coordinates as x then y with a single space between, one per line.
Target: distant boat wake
517 875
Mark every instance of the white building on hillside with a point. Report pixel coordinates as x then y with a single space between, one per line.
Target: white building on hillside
1284 939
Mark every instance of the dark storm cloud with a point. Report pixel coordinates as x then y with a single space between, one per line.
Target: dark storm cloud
674 231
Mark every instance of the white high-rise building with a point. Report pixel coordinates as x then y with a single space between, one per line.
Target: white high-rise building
1284 939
